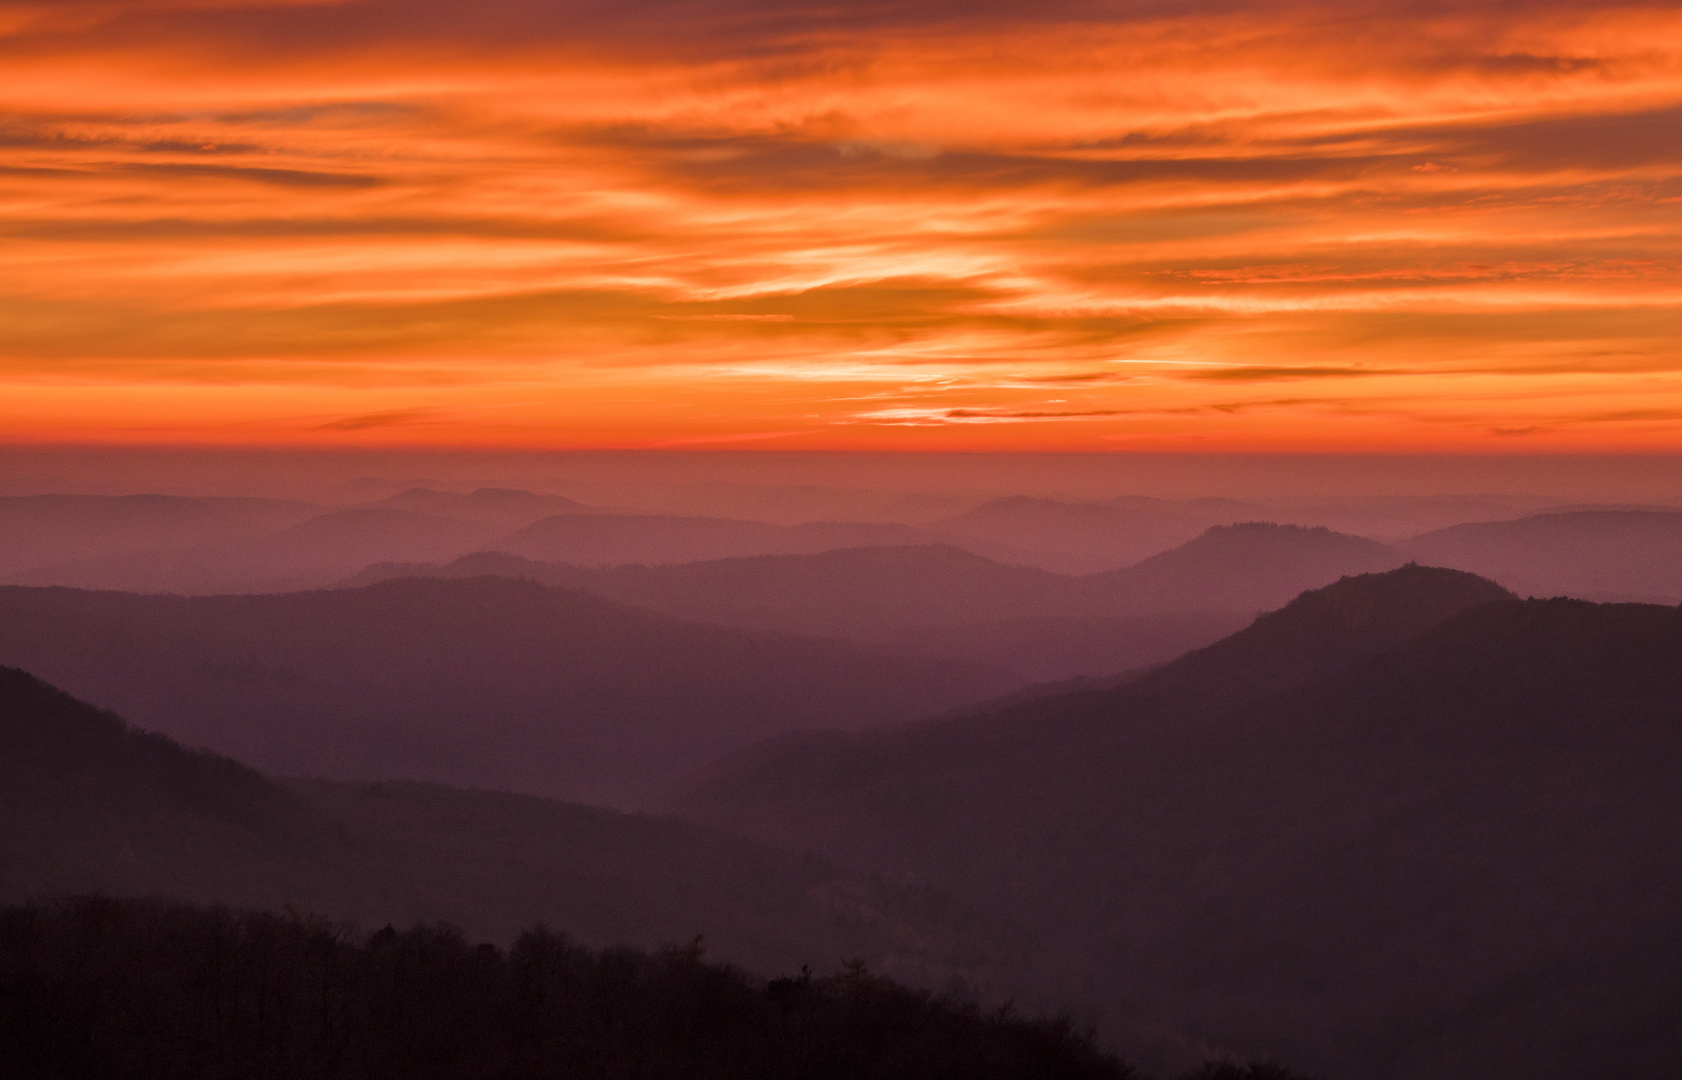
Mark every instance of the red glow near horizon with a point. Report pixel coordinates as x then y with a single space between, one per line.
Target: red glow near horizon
1220 226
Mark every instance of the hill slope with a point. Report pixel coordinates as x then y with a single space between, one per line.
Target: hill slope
88 804
1401 828
486 682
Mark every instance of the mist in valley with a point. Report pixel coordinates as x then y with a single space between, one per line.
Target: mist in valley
1360 767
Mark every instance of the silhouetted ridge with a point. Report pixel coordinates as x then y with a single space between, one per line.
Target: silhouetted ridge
1327 629
1085 537
101 989
485 682
1407 826
944 600
474 564
1318 634
49 739
620 539
1250 566
493 564
512 504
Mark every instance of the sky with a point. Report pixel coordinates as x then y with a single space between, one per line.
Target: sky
1087 227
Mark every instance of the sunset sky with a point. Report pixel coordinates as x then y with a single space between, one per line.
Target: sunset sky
1346 226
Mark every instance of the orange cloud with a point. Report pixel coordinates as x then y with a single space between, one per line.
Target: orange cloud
879 225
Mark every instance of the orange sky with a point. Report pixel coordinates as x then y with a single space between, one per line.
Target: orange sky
551 223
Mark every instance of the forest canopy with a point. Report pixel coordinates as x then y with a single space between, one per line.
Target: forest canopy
106 988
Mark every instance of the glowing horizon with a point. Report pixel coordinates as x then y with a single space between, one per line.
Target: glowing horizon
1206 226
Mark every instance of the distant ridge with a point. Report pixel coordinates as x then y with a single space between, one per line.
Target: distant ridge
620 539
1590 554
483 681
41 531
1252 565
1326 630
1089 537
508 505
1244 567
943 600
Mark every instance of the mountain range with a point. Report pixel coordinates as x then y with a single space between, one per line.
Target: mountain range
207 545
485 682
941 600
159 543
1407 825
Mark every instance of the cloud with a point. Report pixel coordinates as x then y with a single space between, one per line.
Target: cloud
1278 374
254 174
398 418
922 417
761 211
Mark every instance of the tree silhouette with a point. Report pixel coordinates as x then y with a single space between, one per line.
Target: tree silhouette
119 988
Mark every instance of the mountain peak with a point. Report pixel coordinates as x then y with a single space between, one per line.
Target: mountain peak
1352 619
1395 604
1253 533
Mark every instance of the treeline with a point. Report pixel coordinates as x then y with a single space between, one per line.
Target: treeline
121 988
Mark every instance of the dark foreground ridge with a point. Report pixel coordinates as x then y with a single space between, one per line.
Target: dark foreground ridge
1408 827
112 989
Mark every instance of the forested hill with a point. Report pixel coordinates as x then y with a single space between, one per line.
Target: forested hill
118 990
1406 827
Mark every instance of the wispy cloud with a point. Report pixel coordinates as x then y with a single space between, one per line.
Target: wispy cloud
695 223
397 418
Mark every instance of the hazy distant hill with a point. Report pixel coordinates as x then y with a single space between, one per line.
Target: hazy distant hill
489 682
930 601
307 554
1594 554
1249 566
854 591
42 531
614 539
1402 828
168 544
342 536
508 506
846 593
88 804
941 600
1088 537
